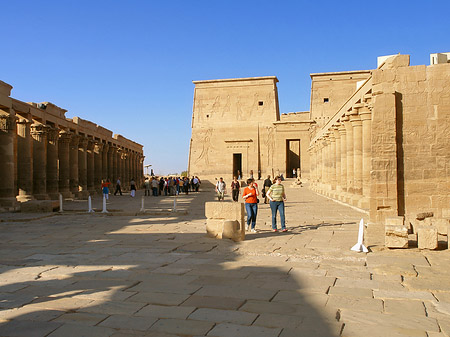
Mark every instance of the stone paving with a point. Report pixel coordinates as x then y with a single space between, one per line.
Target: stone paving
157 274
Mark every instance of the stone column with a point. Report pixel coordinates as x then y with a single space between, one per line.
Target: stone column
39 134
332 162
7 161
366 118
98 170
350 175
343 134
90 167
355 120
64 167
24 160
126 177
74 165
120 166
326 163
52 164
82 168
111 156
337 137
105 161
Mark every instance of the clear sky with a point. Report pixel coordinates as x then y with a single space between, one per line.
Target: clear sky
129 65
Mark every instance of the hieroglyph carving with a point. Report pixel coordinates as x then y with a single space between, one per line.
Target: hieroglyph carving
206 147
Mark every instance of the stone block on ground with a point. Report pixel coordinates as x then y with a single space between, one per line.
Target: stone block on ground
427 237
395 233
224 210
39 206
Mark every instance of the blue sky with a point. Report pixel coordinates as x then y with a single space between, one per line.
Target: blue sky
129 65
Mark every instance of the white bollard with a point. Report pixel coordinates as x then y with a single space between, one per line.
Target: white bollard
142 205
90 205
359 247
60 203
174 204
104 205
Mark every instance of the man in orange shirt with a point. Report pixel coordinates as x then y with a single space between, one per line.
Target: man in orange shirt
250 196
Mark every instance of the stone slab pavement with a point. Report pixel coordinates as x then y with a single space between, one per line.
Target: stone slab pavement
157 274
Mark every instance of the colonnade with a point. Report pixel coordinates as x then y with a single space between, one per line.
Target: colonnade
44 154
341 156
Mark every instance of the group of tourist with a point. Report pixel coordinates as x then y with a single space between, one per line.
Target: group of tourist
106 183
170 185
273 191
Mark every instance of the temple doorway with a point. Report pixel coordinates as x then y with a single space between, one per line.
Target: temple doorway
292 157
237 164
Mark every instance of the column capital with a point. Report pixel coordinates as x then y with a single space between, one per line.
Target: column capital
105 147
365 114
52 135
112 149
90 144
39 131
74 140
98 147
22 120
64 136
82 142
7 122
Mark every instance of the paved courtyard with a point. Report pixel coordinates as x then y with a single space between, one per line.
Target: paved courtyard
157 274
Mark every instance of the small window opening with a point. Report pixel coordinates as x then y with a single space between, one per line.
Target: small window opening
325 100
207 116
260 103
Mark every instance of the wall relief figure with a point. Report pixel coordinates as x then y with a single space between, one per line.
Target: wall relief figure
239 112
205 144
227 107
270 143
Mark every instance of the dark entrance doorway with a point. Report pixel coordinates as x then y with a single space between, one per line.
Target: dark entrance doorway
292 157
237 164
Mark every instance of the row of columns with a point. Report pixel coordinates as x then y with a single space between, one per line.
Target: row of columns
41 161
341 158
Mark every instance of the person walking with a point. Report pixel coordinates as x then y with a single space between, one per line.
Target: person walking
147 186
277 197
235 189
118 189
105 188
132 187
221 189
266 186
250 196
155 186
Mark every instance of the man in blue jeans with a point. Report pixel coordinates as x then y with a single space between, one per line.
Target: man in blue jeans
277 197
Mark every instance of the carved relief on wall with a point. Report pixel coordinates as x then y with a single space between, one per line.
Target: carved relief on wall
270 144
204 143
227 106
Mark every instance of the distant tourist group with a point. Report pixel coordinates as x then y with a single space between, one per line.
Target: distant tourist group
273 192
171 185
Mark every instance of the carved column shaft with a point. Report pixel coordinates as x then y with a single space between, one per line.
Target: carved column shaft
82 167
111 155
366 117
337 157
98 168
105 150
63 156
357 153
350 176
343 134
7 162
90 167
39 134
24 160
52 164
74 165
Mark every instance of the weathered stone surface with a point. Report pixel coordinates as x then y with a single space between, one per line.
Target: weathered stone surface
224 210
180 326
396 233
234 330
223 316
427 237
423 215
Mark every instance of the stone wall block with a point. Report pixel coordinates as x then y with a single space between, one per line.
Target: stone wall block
396 233
441 225
225 220
427 237
225 210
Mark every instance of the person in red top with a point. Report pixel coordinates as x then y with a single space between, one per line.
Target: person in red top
250 196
